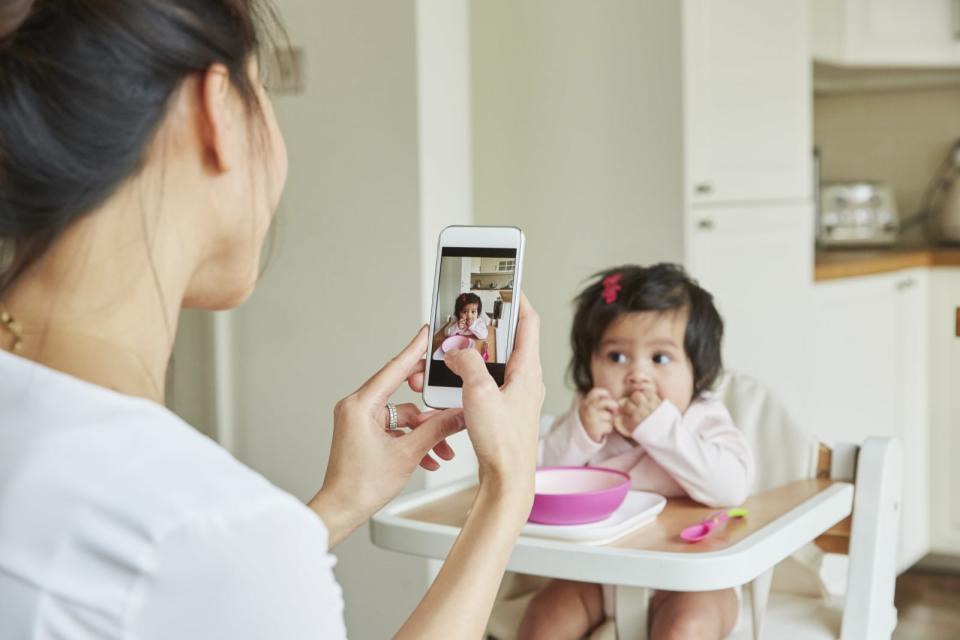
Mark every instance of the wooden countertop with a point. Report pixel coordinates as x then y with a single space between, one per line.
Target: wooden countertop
847 263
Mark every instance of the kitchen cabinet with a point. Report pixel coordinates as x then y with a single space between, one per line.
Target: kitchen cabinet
886 33
496 265
747 85
945 410
871 365
755 262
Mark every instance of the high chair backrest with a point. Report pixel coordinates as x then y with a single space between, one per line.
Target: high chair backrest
784 452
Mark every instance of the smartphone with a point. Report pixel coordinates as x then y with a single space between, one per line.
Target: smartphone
476 303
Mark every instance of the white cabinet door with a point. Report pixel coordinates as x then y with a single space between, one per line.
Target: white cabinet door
913 411
758 263
887 33
945 410
748 101
870 354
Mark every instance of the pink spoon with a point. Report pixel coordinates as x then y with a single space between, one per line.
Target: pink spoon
697 532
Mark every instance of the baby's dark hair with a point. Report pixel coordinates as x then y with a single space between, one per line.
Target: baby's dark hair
663 288
467 298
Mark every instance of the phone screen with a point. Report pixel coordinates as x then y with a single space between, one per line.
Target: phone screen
474 305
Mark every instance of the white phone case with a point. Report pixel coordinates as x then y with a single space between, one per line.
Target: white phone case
483 238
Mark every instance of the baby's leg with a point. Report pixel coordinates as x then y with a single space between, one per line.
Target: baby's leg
696 614
563 609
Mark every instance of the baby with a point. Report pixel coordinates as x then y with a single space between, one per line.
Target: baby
646 349
468 318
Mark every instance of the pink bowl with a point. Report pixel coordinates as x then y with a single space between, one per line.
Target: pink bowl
577 495
456 342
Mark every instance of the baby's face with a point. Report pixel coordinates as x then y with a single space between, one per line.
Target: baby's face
645 349
469 313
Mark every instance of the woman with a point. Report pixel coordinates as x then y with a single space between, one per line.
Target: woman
140 166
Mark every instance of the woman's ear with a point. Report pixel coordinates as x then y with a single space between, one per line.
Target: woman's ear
218 116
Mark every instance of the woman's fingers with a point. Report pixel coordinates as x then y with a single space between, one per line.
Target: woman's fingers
415 382
407 415
468 364
426 461
378 389
431 433
442 448
415 379
526 349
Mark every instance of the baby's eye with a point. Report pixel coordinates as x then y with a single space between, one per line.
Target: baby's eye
661 358
617 357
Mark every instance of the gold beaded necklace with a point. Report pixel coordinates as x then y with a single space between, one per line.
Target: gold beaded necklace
11 326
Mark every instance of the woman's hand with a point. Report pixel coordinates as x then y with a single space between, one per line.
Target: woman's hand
503 423
598 412
369 465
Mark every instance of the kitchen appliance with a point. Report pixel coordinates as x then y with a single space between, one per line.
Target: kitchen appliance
857 213
942 199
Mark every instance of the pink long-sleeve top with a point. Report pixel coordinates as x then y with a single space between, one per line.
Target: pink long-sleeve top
700 453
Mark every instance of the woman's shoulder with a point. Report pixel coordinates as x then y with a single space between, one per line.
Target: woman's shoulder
128 496
94 481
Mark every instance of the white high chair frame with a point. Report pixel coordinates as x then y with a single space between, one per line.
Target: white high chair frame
868 613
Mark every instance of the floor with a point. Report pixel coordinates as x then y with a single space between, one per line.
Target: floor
928 606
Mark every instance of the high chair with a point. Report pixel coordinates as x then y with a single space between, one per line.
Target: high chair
790 601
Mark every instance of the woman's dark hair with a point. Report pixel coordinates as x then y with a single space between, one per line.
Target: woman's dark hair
84 86
660 288
467 298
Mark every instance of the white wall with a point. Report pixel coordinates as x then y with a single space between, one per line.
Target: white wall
446 180
449 288
379 163
347 259
577 128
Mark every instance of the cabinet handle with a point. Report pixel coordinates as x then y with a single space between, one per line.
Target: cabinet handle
957 331
705 188
706 224
903 285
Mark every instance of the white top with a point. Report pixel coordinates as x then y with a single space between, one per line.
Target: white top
118 520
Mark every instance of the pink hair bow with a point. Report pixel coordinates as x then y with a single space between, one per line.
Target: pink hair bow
611 287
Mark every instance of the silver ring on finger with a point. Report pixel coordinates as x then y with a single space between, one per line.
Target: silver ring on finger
392 418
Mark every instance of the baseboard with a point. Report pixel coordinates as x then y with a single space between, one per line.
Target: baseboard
938 563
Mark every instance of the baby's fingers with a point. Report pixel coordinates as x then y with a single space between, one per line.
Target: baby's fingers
608 406
651 395
599 392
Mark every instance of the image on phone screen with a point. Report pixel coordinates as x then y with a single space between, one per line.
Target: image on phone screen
474 304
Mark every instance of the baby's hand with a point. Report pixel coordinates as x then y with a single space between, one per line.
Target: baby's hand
636 407
597 412
461 324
